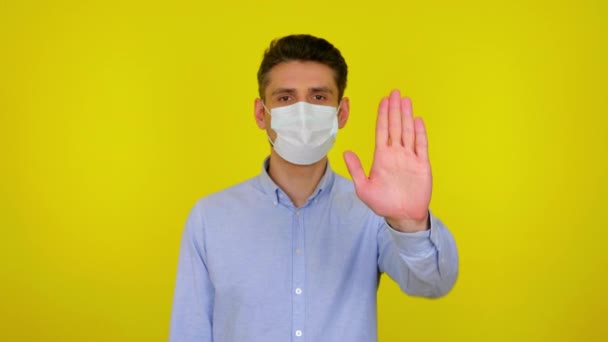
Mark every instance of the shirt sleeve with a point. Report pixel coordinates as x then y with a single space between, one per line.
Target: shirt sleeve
422 263
191 316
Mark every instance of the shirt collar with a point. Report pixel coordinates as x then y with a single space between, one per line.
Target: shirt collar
274 191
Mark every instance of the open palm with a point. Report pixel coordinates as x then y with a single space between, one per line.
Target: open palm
400 182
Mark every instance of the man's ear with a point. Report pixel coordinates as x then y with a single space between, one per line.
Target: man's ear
259 114
344 112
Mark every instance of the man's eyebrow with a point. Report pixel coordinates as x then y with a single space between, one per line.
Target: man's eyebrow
321 90
310 90
283 91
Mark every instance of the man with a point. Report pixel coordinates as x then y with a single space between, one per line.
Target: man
296 253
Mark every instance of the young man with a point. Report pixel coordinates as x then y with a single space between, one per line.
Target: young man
296 253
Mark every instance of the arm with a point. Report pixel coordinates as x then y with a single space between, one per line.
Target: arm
191 316
423 263
415 248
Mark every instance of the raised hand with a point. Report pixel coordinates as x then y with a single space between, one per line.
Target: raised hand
400 182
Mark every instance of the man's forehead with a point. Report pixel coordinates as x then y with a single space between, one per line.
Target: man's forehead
302 76
300 70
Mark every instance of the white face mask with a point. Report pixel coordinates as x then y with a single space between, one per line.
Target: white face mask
305 132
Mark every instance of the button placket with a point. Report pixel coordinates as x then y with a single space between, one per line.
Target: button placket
299 268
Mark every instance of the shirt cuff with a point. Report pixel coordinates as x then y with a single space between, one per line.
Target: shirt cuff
413 244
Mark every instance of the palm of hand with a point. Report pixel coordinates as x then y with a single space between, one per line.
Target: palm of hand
400 182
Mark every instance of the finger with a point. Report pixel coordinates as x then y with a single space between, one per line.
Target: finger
394 118
382 123
353 164
422 145
407 121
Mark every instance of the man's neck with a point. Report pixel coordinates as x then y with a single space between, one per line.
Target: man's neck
297 181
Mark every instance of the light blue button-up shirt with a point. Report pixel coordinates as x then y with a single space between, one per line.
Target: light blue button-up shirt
252 267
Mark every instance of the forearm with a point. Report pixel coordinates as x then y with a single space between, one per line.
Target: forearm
424 263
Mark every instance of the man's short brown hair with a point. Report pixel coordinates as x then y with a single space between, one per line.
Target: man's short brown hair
303 47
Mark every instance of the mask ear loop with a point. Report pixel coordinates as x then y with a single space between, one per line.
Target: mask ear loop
265 108
337 117
268 136
337 109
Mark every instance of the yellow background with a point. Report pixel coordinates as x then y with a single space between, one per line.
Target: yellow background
116 116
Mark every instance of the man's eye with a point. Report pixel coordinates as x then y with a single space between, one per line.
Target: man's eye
319 97
284 98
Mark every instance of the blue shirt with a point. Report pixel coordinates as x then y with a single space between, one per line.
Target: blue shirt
252 267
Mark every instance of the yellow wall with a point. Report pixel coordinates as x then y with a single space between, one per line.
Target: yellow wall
115 118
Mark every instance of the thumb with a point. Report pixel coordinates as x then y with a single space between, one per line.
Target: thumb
353 164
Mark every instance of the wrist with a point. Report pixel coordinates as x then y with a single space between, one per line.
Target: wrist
407 225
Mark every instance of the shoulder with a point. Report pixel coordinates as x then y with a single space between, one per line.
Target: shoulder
343 184
345 200
237 195
226 208
344 190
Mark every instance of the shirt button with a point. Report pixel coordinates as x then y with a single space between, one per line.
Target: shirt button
298 212
298 291
298 250
275 203
298 333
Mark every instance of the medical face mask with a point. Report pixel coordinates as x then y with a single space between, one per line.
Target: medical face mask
305 132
